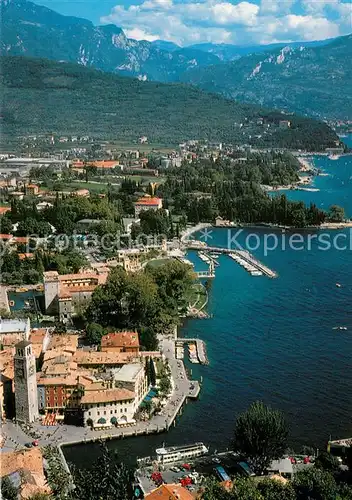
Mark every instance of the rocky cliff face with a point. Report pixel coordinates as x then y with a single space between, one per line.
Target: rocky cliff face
36 31
309 80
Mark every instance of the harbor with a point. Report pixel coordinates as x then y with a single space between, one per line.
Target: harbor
196 347
242 257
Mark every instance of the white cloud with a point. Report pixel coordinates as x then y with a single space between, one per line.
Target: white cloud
226 13
310 28
232 21
276 6
157 4
138 34
318 6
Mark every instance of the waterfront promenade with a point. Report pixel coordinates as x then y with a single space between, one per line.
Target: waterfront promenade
183 388
4 302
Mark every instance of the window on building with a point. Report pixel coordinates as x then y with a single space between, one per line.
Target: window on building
89 413
98 413
104 412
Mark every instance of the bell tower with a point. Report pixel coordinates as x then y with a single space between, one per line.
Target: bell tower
26 397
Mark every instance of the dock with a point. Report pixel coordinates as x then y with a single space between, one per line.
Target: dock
243 257
200 346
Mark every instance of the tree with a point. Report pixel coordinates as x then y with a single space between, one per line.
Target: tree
336 214
273 489
8 491
214 491
94 333
327 462
315 484
41 496
106 480
5 225
59 479
60 328
245 489
261 435
152 372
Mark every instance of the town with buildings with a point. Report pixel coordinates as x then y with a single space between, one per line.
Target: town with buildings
61 385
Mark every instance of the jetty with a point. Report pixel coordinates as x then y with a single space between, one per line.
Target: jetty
200 346
243 257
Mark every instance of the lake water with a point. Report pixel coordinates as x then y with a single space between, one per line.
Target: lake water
271 340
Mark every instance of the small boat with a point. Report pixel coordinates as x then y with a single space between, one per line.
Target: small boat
11 303
338 285
340 328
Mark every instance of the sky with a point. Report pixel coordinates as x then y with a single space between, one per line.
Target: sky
240 22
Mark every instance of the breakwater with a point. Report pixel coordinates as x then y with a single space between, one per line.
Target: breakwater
241 256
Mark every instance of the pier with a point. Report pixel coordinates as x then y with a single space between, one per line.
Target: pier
240 256
205 274
201 349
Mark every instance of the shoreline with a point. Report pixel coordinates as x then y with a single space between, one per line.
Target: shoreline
279 227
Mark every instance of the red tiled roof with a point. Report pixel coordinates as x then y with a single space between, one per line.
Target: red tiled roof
23 256
108 395
120 339
170 492
105 163
21 239
148 201
103 358
3 210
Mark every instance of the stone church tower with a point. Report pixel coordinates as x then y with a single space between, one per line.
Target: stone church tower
26 397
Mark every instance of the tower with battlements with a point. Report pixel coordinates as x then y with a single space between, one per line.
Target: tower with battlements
26 397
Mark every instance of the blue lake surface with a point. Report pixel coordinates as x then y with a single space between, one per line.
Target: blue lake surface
335 184
272 339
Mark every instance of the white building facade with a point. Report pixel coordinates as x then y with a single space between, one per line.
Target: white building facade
108 407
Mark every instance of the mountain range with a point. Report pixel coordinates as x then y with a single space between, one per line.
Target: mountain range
311 78
226 52
31 30
42 96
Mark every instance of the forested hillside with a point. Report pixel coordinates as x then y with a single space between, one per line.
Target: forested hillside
41 96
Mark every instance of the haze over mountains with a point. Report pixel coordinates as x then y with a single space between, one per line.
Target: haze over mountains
310 78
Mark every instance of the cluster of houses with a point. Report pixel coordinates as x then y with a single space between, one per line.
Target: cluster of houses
99 388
